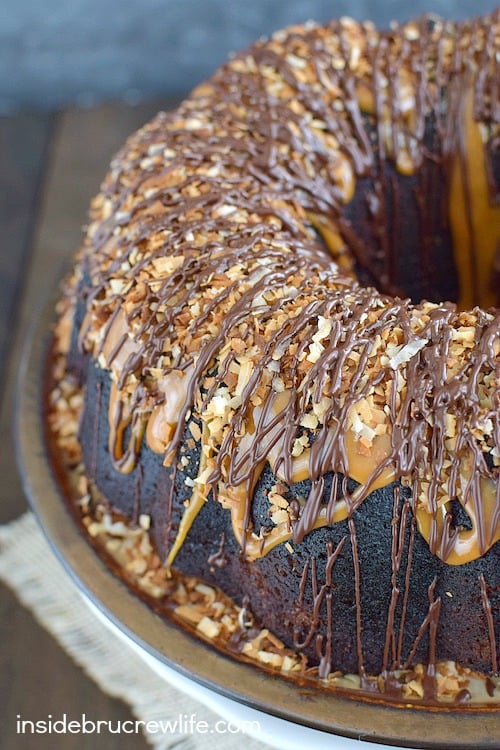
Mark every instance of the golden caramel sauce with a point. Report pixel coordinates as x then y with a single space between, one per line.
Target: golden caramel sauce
474 217
458 546
369 468
475 220
120 417
163 420
362 468
195 504
255 546
475 224
330 235
118 345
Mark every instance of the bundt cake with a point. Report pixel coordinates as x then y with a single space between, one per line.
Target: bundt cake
272 383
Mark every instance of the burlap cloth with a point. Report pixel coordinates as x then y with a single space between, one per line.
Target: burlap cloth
28 566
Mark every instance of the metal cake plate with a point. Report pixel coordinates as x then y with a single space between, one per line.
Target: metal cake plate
161 639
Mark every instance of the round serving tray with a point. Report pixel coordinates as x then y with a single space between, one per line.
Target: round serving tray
316 709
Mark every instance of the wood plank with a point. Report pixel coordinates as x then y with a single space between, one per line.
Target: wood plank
23 150
36 676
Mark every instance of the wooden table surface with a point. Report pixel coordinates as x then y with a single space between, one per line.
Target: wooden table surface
50 166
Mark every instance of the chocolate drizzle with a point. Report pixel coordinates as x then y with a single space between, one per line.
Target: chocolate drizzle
219 280
218 558
491 623
324 646
393 643
202 260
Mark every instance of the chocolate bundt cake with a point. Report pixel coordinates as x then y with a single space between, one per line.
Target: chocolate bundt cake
272 379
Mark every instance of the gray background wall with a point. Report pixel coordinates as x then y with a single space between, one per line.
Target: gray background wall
58 51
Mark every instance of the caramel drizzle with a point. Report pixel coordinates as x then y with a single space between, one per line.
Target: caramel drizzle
474 213
220 185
